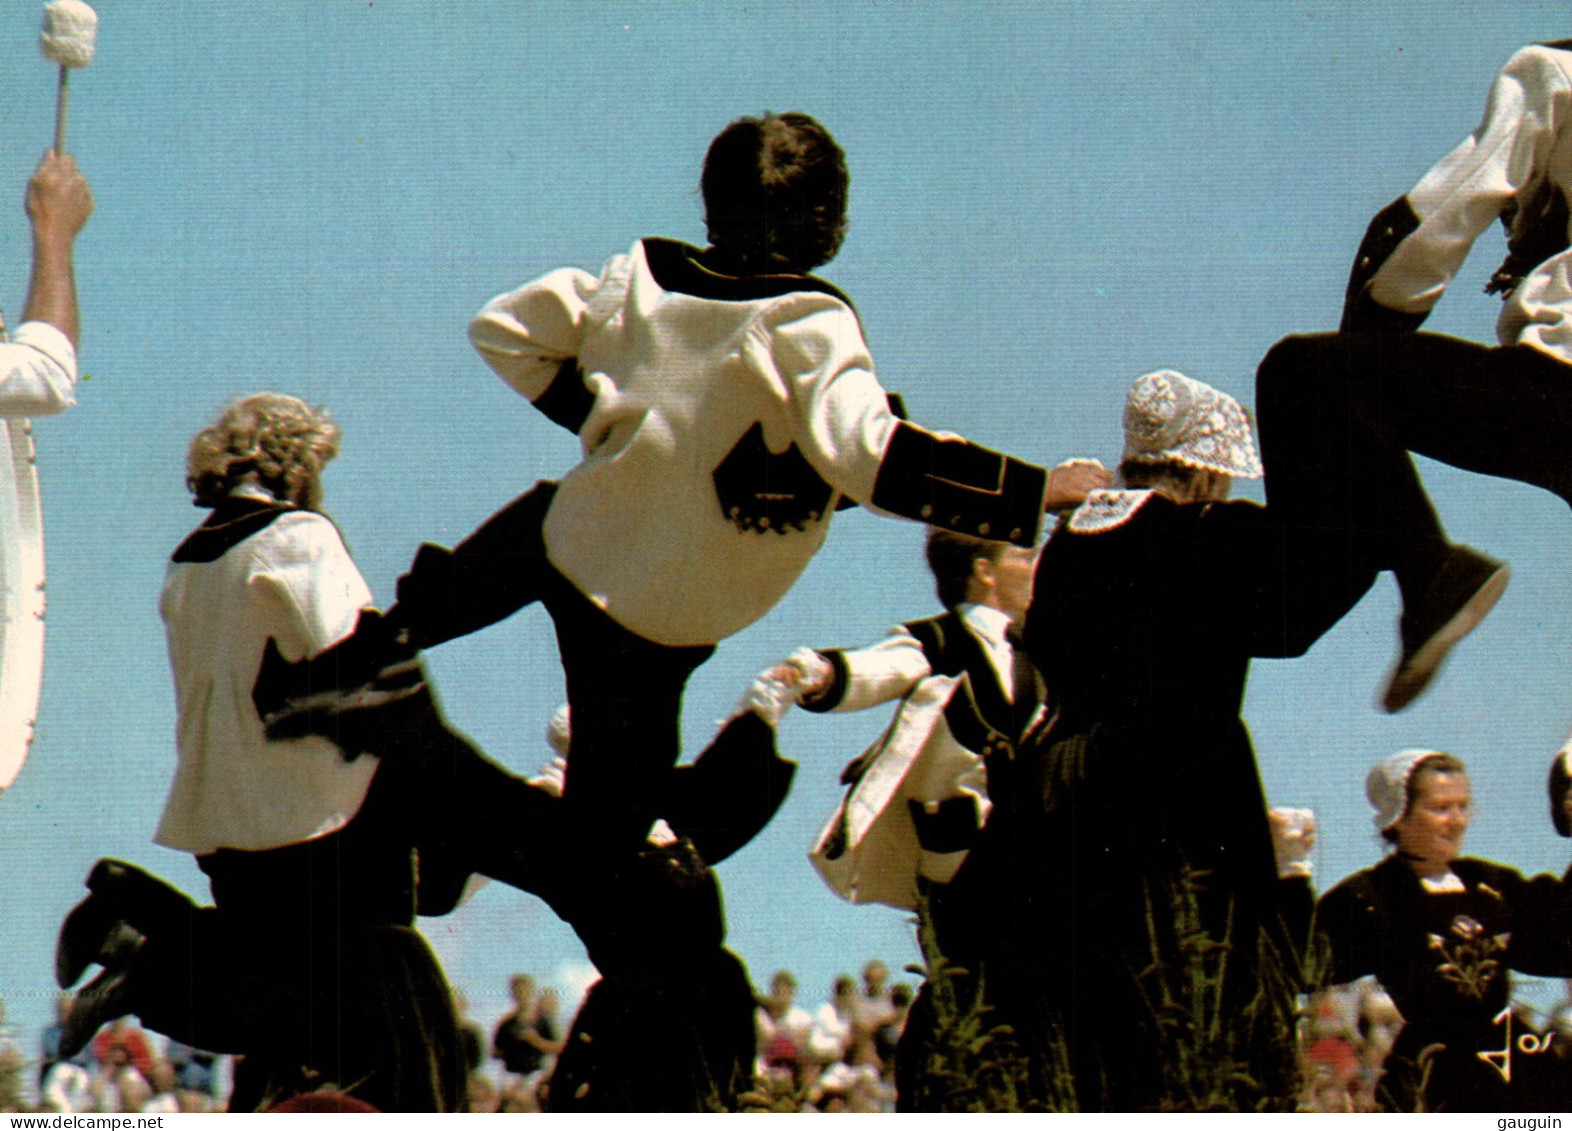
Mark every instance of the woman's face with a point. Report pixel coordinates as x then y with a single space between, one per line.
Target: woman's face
1432 830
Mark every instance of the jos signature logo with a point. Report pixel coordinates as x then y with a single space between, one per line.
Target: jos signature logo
1528 1044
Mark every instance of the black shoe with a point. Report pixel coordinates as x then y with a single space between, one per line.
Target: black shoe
1457 598
120 893
105 998
82 937
341 694
354 662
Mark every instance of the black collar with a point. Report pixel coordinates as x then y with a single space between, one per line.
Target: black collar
232 522
679 267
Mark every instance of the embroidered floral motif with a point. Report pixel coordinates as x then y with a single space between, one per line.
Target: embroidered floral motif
1470 963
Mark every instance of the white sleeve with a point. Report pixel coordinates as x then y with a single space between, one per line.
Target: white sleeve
37 372
1457 200
526 335
886 670
812 345
306 568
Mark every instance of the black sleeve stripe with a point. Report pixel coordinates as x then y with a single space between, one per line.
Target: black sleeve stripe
566 400
1391 226
960 486
898 410
832 695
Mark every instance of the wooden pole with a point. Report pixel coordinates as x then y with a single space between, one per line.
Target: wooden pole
61 98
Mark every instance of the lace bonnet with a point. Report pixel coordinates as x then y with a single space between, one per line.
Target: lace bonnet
1167 416
1387 785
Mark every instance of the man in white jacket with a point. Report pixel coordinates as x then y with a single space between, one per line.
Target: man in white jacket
726 405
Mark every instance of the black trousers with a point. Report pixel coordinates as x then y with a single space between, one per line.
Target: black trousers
625 691
1340 413
308 965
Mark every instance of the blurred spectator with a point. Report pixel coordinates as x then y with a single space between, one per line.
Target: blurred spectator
482 1094
782 1028
11 1070
163 1100
196 1074
49 1042
834 1023
118 1085
518 1056
855 1083
471 1036
886 1036
125 1034
67 1088
527 1042
873 1003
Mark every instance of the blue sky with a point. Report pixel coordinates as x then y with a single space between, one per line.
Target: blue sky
1048 200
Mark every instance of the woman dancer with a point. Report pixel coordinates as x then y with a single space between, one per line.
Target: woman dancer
1441 932
1136 834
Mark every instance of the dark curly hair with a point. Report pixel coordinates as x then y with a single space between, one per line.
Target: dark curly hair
775 191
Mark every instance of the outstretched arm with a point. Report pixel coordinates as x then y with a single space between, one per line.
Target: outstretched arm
58 204
38 369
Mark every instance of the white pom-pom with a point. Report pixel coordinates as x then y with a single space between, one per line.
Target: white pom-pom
69 34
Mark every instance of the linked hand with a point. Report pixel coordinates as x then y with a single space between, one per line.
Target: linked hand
1072 481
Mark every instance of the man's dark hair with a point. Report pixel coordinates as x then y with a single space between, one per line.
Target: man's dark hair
775 192
950 558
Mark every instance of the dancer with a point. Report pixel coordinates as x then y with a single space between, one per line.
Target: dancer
1349 404
658 941
727 405
1441 931
319 853
920 795
307 962
1135 836
37 377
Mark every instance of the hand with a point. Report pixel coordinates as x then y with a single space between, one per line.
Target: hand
802 675
1072 481
58 199
551 777
806 672
1293 839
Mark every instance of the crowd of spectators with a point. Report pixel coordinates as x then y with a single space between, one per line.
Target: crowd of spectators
837 1057
841 1057
123 1070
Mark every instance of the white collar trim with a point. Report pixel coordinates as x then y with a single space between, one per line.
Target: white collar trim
1107 508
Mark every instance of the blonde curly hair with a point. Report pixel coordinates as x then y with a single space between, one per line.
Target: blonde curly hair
279 442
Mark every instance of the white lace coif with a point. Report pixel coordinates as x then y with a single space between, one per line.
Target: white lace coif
1387 785
69 34
1168 416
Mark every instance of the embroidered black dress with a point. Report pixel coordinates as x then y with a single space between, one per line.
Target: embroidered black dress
1137 830
1444 957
